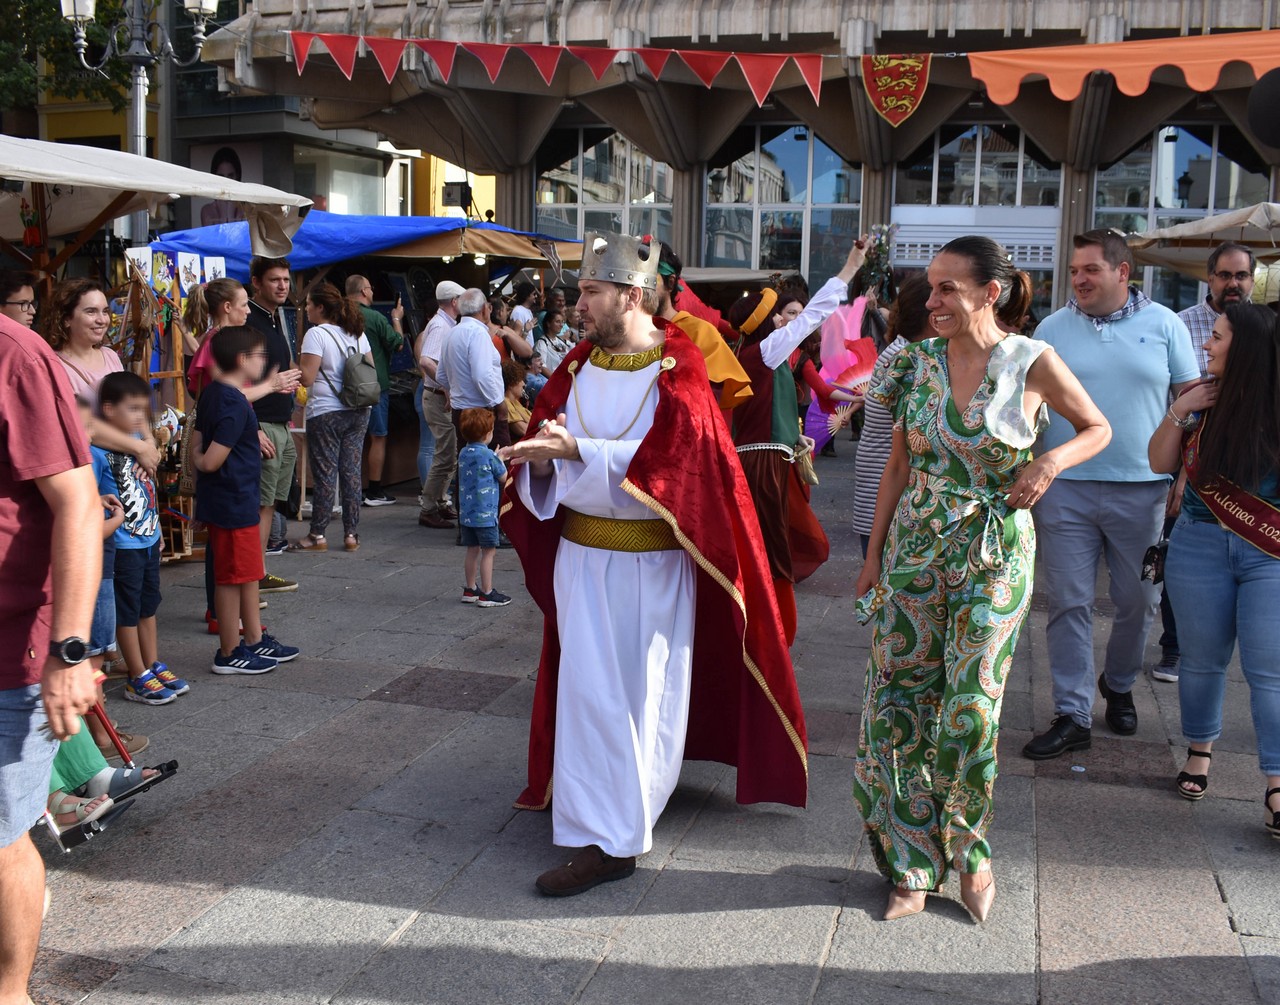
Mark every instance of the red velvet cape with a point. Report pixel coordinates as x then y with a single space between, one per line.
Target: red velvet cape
744 706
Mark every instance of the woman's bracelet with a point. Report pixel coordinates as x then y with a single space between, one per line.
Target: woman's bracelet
1188 423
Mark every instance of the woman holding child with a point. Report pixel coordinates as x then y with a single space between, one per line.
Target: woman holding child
335 433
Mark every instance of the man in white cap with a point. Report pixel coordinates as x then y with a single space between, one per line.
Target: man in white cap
663 640
436 510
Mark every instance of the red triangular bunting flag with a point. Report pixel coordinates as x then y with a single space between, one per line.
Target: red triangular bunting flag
705 65
654 59
491 54
810 67
545 57
597 58
301 47
343 50
388 52
441 53
761 70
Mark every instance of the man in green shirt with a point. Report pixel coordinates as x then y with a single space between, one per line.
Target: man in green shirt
384 339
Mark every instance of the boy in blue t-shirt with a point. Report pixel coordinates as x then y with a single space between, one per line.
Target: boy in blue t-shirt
480 475
228 462
124 402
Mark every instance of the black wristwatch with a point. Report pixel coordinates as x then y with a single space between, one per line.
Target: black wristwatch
71 651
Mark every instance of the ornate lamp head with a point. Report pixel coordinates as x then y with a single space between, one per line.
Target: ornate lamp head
616 258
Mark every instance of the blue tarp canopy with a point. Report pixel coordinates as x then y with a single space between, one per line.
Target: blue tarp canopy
325 238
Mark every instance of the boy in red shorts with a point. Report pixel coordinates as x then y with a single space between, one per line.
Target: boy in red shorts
228 462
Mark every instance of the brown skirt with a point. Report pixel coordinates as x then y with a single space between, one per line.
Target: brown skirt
767 472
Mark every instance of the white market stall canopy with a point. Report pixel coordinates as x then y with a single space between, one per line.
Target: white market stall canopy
1185 248
68 190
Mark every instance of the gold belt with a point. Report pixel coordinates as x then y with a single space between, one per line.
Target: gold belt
609 534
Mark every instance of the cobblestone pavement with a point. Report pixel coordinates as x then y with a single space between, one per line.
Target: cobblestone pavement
341 831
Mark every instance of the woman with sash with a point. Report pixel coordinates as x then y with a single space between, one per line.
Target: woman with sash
1223 567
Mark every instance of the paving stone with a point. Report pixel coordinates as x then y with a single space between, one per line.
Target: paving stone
499 883
62 978
406 649
510 647
148 986
769 838
1114 761
516 702
260 712
444 960
1244 856
436 687
1263 956
340 679
700 930
311 920
831 733
842 987
1114 918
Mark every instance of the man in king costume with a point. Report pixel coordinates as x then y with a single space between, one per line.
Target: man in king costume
640 543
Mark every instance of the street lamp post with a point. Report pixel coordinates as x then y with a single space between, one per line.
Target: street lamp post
131 40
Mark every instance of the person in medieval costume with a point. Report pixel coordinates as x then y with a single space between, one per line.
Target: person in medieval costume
662 640
766 429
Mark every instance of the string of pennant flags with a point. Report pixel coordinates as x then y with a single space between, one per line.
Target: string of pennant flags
761 69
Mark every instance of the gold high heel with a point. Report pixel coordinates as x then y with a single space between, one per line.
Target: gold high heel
903 903
977 900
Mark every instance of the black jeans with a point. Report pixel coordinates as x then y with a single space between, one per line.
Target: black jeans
1169 635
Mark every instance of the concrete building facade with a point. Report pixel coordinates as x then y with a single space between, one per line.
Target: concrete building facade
786 185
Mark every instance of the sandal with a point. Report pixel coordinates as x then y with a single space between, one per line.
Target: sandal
1200 780
352 542
1273 828
61 804
312 543
123 783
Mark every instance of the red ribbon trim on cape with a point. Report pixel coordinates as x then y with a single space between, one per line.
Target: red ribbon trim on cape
1244 514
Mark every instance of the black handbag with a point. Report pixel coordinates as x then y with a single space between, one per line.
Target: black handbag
1153 561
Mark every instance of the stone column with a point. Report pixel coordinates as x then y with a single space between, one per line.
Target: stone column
1077 217
877 196
514 197
687 211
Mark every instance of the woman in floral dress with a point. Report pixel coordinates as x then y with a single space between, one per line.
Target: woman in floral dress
949 569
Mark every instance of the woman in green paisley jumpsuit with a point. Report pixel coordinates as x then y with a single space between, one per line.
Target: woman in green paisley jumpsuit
948 576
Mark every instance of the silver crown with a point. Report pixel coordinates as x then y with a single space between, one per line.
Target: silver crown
616 258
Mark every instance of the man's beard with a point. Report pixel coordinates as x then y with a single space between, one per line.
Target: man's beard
1222 303
608 331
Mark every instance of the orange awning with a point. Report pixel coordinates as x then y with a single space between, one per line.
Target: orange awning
1199 57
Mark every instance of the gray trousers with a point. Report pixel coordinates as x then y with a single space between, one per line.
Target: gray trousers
1077 523
439 417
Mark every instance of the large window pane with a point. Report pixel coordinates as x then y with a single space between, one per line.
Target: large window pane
1182 165
1041 176
999 182
655 221
831 233
651 181
560 184
731 173
834 178
914 178
1127 182
1126 223
607 221
784 164
557 221
728 237
1243 178
781 234
604 169
1174 290
957 165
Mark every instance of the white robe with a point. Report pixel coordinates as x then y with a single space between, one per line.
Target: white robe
626 632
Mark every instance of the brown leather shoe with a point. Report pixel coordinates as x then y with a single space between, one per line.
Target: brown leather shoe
434 520
448 512
590 867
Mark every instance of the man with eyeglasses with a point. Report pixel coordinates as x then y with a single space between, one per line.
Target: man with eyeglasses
1230 282
18 297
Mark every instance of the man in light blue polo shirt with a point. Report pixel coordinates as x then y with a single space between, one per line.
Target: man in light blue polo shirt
1129 353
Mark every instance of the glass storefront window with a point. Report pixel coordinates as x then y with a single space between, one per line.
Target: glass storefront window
339 182
729 238
913 177
784 164
778 197
1182 165
626 190
1041 177
835 180
1127 182
1001 154
957 166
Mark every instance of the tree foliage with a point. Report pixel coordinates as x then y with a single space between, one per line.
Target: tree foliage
34 29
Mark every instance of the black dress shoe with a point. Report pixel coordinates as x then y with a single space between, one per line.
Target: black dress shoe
1062 736
1121 715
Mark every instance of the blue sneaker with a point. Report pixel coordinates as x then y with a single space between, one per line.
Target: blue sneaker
148 690
241 661
170 679
269 649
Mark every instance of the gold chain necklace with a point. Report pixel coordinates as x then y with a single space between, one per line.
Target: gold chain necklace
625 362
